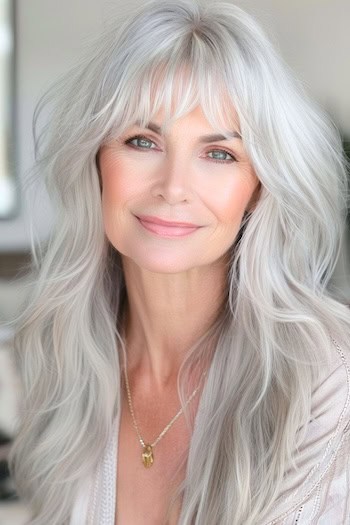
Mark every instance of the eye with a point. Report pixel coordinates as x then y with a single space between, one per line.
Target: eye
143 142
220 156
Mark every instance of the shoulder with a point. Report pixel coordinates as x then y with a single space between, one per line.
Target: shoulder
331 394
318 492
327 502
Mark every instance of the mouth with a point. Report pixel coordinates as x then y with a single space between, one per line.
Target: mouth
163 230
159 220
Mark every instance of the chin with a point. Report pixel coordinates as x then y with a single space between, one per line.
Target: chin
162 264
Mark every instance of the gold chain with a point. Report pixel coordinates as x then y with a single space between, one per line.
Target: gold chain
147 453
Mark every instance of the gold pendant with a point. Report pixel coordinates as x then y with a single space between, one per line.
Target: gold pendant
147 456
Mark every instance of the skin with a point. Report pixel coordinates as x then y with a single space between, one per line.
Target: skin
174 286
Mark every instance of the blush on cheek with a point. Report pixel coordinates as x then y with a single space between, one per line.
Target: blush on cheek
232 208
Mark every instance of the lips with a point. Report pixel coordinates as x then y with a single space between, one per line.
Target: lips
164 230
158 220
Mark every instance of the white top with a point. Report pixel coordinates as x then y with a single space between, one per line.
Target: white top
318 495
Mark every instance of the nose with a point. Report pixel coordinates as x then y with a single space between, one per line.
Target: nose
174 180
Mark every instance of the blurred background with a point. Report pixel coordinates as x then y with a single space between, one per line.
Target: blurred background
39 41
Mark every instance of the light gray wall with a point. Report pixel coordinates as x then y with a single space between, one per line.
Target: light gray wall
312 35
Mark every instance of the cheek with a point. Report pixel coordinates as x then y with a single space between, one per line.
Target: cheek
114 184
115 193
229 201
120 182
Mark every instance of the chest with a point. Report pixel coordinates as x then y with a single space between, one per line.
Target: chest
143 494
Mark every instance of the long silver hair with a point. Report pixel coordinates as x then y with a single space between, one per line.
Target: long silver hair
281 306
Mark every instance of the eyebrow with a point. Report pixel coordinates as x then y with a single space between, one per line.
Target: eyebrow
203 138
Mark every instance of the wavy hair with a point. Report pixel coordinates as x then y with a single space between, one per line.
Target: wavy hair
281 305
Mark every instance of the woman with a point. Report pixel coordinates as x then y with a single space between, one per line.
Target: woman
188 373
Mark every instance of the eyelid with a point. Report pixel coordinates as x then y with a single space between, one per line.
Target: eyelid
213 148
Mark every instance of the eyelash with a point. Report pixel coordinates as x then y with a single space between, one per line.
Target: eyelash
225 161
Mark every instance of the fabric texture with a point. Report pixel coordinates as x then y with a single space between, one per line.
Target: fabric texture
317 494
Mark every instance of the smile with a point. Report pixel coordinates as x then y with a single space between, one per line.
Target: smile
168 231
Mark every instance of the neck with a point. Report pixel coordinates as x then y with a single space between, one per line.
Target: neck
164 316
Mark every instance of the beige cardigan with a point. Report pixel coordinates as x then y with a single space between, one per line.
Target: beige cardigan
319 494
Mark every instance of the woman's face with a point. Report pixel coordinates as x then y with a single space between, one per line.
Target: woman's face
181 178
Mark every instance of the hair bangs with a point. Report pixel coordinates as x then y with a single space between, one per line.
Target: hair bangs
175 86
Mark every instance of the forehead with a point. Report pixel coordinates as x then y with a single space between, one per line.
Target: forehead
195 121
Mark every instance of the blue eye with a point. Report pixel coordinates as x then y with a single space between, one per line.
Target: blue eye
141 139
220 157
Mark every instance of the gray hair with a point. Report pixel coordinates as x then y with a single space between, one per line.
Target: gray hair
281 308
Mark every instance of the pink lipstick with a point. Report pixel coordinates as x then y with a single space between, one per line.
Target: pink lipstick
167 229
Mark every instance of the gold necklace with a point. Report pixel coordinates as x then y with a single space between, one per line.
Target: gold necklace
147 452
